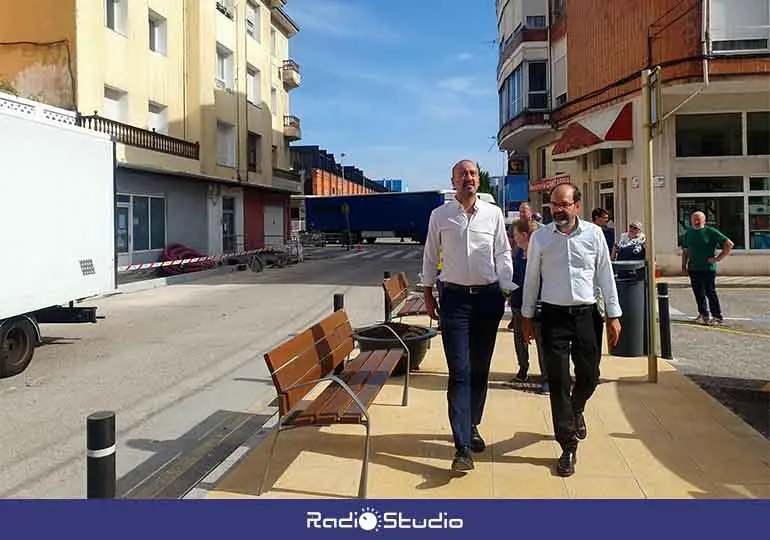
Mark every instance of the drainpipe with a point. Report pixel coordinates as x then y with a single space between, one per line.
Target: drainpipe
705 54
238 138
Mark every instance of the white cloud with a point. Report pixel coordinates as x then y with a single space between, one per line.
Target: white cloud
464 57
341 19
464 85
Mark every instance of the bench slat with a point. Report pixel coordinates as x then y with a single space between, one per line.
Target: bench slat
356 381
373 385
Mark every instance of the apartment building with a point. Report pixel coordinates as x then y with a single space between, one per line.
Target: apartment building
196 94
570 106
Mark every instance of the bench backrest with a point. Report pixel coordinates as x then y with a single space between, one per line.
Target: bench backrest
396 291
308 356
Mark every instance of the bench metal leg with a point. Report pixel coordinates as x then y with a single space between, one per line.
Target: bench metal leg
365 467
269 459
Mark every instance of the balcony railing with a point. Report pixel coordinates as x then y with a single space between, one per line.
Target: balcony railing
140 138
290 73
520 36
292 128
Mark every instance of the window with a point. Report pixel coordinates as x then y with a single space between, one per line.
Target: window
253 21
516 92
225 144
157 119
537 21
149 222
114 105
224 79
274 157
273 42
559 73
274 101
758 133
604 157
738 206
504 102
538 86
116 15
157 33
225 7
740 26
254 145
253 85
709 135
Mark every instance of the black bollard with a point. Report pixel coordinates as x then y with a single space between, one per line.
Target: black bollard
339 301
100 455
664 316
386 275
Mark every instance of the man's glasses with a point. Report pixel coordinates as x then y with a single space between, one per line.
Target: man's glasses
562 205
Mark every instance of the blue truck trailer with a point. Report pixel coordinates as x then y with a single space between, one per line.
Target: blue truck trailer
372 216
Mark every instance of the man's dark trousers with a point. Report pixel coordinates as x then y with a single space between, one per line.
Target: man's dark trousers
704 287
470 318
575 331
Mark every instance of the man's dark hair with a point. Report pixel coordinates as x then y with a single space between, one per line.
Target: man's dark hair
598 212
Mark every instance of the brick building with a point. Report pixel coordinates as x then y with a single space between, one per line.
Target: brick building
569 80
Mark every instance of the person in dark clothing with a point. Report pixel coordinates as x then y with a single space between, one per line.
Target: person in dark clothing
522 230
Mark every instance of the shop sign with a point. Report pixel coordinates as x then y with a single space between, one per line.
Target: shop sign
547 184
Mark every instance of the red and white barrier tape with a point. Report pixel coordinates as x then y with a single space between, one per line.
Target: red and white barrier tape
163 264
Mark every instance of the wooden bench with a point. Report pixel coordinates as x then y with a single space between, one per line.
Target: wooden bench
321 354
400 301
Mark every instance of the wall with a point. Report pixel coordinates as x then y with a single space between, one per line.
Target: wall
45 68
186 207
326 183
616 33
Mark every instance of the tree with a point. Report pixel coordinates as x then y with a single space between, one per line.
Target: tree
485 182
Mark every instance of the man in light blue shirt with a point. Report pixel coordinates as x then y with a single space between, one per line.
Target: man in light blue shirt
568 257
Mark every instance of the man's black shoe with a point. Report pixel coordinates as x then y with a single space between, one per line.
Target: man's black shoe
477 443
580 427
566 465
463 460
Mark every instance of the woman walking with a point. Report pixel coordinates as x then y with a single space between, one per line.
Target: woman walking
522 231
631 246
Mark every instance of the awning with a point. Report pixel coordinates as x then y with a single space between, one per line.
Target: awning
547 184
610 128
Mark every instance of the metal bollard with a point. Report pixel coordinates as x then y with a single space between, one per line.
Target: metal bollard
664 316
386 275
100 455
339 301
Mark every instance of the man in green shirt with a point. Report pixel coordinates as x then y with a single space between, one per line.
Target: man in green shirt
698 259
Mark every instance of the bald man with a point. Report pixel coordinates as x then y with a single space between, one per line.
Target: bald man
476 277
699 244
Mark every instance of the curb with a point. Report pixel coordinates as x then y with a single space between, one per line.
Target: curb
155 283
722 285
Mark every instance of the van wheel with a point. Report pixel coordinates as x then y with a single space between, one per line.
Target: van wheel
17 345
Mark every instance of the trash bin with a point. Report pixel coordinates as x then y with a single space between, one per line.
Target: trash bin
631 282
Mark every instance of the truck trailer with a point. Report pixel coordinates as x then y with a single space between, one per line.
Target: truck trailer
57 233
374 215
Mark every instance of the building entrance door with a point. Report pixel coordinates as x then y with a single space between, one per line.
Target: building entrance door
123 233
228 225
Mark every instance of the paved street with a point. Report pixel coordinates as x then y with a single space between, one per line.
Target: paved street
172 362
729 362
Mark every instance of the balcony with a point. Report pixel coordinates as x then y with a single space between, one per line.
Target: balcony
291 128
514 41
519 131
290 74
277 3
140 138
283 174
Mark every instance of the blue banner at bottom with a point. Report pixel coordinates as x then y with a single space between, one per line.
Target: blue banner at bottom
215 519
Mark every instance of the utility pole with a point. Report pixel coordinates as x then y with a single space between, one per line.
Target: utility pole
651 105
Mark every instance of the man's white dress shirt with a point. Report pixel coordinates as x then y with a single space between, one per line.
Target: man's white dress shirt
570 266
475 246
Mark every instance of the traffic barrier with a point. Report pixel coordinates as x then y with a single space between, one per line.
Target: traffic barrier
100 455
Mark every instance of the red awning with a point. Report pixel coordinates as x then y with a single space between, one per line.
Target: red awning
547 184
609 128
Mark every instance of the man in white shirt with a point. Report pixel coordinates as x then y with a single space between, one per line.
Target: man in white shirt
569 256
477 273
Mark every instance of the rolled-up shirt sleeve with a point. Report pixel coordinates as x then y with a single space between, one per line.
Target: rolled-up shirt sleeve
532 277
605 278
503 259
430 252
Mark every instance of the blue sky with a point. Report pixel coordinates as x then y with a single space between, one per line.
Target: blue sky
404 88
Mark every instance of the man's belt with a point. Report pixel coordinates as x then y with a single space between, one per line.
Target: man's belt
471 289
580 308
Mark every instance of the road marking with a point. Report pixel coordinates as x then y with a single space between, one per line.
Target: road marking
391 254
353 254
409 254
719 329
371 255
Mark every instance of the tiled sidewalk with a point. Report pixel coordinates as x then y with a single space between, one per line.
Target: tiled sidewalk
664 440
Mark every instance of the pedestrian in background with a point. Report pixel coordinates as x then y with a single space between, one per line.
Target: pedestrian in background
522 231
699 244
566 259
477 274
631 246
